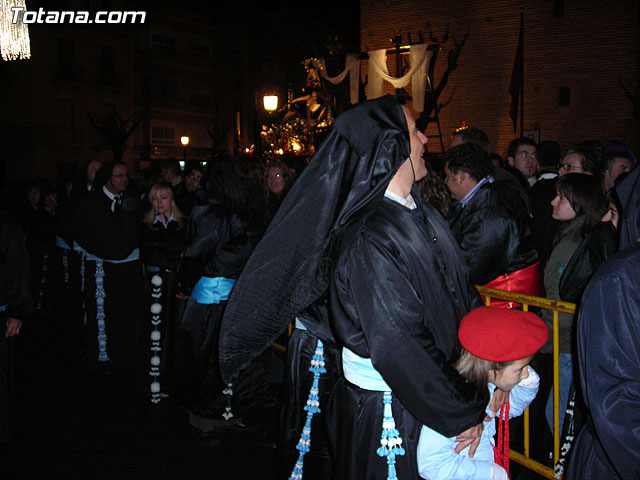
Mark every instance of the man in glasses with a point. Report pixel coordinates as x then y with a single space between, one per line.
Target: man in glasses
576 160
106 235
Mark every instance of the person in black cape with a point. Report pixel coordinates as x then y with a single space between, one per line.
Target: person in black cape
394 282
217 249
106 232
608 339
69 299
16 304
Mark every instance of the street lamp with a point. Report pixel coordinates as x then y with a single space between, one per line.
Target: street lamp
270 102
184 140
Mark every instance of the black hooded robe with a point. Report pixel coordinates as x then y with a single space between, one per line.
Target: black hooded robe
400 288
291 267
113 235
608 446
16 302
608 344
218 247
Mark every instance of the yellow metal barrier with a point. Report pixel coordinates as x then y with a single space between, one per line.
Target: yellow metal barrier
283 348
556 306
528 301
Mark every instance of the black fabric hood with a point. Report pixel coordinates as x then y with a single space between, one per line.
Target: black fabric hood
289 268
628 191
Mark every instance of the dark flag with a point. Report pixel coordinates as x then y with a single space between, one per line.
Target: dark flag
517 76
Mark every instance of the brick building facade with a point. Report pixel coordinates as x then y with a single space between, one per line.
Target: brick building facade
575 51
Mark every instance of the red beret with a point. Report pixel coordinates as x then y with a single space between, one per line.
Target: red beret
502 334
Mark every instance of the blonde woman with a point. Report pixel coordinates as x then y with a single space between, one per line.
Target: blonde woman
163 208
161 247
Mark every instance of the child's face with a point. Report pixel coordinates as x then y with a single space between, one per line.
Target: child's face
510 376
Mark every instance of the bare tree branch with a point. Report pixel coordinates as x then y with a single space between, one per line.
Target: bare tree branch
114 129
432 97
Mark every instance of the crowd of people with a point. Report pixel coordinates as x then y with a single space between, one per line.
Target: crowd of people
180 281
118 263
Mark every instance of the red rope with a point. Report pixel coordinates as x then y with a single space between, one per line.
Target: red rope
501 451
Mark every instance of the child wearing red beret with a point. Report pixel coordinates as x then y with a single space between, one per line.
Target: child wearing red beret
498 345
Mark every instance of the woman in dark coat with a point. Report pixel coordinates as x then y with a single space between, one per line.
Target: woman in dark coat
161 246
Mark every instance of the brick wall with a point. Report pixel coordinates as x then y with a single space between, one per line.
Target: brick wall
586 49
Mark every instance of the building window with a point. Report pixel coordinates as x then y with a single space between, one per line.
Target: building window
558 8
66 122
201 51
164 88
564 96
163 135
65 60
107 65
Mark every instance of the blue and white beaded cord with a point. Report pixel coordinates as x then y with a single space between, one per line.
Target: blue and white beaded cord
391 442
83 258
65 266
100 316
156 309
312 407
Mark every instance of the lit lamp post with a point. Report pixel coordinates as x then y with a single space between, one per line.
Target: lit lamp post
270 102
184 140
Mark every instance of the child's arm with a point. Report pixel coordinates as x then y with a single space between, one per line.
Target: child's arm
523 394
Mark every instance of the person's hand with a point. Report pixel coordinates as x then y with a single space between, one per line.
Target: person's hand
13 327
498 399
182 296
469 438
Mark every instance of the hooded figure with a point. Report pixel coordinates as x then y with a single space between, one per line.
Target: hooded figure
217 250
608 340
391 276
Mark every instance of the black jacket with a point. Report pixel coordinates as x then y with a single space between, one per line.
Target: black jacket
15 290
108 234
599 245
399 290
495 237
162 247
218 245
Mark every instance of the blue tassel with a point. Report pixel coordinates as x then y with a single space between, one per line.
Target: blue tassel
390 440
312 407
100 315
